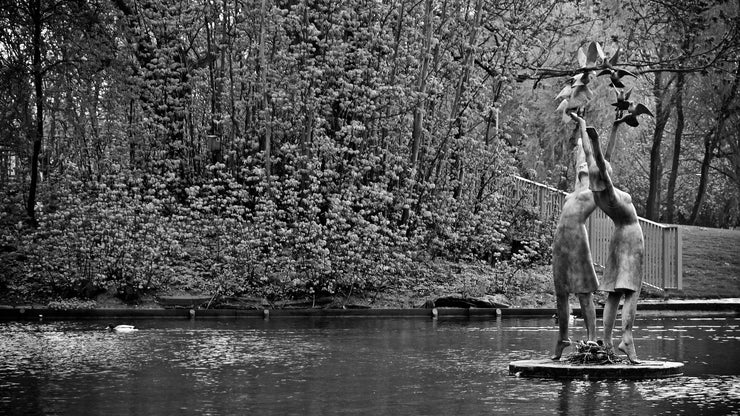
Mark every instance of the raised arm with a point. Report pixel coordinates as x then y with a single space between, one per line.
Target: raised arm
604 180
578 157
584 141
612 141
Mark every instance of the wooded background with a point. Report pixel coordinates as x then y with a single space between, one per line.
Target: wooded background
299 147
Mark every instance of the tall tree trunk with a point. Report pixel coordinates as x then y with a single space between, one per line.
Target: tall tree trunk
46 166
663 113
234 131
215 78
394 69
38 84
703 176
131 135
711 141
416 129
307 106
671 191
459 96
97 144
422 86
267 144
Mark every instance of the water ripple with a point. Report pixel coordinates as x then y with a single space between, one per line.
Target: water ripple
344 367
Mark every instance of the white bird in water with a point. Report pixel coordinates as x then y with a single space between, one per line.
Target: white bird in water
122 329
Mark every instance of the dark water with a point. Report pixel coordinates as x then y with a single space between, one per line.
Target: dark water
297 366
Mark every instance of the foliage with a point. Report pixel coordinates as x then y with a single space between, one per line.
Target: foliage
276 149
593 353
72 303
283 149
129 234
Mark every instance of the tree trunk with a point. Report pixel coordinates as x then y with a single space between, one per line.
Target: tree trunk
46 166
394 69
703 176
131 135
35 9
267 111
418 123
234 132
459 96
671 191
307 107
662 111
215 78
422 85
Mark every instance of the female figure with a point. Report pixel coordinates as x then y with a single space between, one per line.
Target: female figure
623 274
572 266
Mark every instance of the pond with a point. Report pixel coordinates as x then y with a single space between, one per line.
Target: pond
320 366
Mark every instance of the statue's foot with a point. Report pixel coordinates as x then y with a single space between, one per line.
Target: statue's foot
629 349
559 347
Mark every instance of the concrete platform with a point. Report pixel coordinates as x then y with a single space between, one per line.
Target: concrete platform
563 369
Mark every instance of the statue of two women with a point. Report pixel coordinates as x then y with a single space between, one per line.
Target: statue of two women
572 263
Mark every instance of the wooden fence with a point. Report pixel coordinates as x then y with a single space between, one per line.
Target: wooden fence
662 268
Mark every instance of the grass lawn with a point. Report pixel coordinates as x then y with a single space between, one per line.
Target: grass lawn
711 262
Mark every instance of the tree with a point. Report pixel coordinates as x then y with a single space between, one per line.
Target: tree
674 46
44 28
677 137
692 38
712 140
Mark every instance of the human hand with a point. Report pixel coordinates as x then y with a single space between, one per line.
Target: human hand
576 117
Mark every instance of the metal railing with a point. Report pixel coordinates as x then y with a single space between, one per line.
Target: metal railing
662 267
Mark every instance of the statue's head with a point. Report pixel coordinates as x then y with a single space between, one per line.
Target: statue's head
582 169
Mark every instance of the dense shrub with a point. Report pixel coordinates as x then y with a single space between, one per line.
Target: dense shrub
104 235
305 232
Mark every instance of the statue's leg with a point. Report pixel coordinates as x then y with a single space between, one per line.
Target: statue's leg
563 316
610 316
589 314
629 310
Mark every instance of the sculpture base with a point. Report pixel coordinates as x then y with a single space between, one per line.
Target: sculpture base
621 371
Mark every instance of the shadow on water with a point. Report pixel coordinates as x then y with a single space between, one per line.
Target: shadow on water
347 366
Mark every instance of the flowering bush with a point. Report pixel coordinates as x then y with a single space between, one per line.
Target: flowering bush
311 229
104 235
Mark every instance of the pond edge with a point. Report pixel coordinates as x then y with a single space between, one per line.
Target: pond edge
32 312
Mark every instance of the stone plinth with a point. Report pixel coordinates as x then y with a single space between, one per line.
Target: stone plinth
622 371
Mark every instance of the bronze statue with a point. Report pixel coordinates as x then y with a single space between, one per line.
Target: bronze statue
572 266
623 273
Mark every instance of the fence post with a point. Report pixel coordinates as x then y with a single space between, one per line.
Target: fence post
665 264
679 258
543 202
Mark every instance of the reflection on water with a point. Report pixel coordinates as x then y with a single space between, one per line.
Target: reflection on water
347 366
